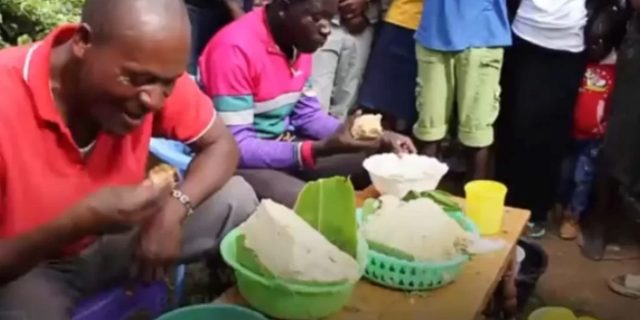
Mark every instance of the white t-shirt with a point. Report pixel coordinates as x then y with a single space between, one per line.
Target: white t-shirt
552 24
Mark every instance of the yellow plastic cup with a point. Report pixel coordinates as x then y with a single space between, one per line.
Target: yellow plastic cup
555 313
485 205
552 313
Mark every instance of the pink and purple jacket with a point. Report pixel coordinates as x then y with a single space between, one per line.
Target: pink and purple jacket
261 95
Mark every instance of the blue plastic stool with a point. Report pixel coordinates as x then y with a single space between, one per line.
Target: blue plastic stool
172 152
117 304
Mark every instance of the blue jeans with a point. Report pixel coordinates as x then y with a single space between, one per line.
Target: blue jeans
578 176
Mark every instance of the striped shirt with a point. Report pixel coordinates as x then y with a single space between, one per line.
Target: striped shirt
261 95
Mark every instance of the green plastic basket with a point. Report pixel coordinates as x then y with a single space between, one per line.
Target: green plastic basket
286 300
212 312
407 275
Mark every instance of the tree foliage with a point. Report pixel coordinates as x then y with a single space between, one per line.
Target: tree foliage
22 21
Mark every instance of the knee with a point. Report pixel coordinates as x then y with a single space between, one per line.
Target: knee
241 199
231 205
213 219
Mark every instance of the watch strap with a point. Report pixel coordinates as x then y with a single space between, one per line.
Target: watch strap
184 200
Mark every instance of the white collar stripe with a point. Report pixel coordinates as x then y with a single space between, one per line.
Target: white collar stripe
27 63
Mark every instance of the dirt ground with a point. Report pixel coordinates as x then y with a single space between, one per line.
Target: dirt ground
581 284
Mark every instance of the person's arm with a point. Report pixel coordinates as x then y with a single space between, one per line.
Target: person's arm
309 120
20 254
104 211
512 8
256 152
515 4
215 149
230 87
235 7
189 116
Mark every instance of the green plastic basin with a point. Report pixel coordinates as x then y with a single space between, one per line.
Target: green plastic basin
281 299
212 312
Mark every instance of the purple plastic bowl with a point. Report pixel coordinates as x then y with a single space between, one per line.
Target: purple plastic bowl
116 304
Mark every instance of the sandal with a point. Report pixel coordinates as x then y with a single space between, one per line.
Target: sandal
627 285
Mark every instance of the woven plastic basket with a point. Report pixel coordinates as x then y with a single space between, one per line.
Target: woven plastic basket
407 275
286 300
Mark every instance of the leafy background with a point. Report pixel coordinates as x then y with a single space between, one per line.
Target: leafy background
23 21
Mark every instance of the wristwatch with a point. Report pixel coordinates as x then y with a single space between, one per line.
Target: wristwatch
184 200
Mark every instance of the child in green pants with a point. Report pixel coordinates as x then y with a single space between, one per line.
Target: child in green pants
459 52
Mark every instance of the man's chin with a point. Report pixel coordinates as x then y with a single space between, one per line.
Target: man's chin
309 50
120 129
312 48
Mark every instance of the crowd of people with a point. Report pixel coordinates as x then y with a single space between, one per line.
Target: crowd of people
270 95
531 80
534 70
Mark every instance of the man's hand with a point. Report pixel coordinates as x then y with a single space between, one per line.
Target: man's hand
350 9
397 143
113 209
343 142
108 210
159 243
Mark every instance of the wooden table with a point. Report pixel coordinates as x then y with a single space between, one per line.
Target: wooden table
465 299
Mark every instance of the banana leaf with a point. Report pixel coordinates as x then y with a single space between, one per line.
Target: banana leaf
369 207
329 206
392 252
442 198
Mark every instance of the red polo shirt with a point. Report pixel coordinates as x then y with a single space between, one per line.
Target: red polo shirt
42 172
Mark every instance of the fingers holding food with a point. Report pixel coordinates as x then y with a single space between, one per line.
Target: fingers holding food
163 176
368 126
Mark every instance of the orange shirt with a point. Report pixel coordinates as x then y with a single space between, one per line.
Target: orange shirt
405 13
42 171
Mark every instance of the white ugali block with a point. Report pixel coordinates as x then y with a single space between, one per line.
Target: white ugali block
291 249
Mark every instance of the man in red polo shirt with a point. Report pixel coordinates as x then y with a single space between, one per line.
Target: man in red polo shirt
77 112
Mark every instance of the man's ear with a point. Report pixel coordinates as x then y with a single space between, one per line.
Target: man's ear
82 40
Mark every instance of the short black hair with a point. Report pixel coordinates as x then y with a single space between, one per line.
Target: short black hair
107 18
99 15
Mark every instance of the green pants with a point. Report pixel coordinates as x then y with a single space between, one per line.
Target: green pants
472 79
